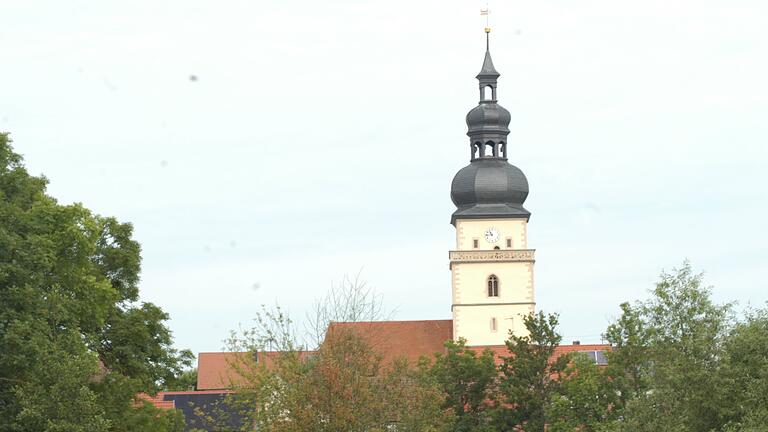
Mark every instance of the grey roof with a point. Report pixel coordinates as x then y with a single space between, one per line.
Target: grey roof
488 118
488 71
489 187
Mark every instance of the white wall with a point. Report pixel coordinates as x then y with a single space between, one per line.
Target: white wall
467 230
473 310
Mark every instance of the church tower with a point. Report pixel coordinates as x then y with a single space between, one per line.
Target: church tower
492 267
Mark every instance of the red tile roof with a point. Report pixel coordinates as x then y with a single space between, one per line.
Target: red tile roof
501 350
218 370
563 349
214 370
409 339
196 392
392 339
157 401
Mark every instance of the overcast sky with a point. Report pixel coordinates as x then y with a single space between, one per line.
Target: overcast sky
263 149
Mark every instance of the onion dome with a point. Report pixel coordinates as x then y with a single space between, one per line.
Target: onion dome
489 187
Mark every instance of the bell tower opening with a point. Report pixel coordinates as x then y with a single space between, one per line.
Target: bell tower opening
488 93
490 149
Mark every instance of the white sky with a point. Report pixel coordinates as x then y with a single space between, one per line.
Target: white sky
321 138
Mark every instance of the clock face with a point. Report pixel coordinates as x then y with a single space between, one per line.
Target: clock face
492 235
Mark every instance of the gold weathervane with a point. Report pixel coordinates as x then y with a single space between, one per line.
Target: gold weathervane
486 12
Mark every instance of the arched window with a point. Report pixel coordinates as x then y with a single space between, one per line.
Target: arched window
487 93
493 286
477 149
490 149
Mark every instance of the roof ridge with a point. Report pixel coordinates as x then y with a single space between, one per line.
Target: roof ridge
389 321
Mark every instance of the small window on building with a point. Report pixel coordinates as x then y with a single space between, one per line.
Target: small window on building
496 248
493 324
600 358
509 242
475 243
493 286
597 357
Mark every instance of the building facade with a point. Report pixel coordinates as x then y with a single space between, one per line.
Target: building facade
491 267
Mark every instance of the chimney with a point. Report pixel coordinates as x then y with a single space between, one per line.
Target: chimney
577 342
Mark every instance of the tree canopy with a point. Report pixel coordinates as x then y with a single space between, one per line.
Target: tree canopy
674 363
77 344
342 386
678 361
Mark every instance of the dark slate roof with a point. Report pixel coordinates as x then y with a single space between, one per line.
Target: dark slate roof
488 71
207 410
488 118
487 188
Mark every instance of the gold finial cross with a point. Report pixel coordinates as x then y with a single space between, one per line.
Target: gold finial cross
486 12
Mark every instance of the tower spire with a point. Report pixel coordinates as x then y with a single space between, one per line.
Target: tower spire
488 122
489 186
488 73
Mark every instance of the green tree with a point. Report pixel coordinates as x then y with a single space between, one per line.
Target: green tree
629 358
585 399
342 386
185 381
666 357
76 345
530 375
744 374
467 380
